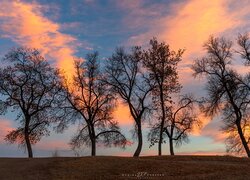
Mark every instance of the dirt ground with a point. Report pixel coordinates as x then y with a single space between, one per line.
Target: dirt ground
107 167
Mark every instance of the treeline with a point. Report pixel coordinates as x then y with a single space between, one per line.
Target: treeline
145 80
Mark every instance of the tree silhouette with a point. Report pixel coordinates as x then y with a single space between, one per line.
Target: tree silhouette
131 84
89 100
227 90
181 119
30 87
244 44
161 63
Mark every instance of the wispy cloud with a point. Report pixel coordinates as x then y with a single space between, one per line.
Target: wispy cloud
25 24
213 131
188 25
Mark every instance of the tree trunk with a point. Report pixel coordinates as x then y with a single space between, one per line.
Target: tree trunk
93 146
171 147
27 139
162 120
238 121
139 146
28 144
160 138
243 139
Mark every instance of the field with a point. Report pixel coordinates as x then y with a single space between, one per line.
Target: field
108 167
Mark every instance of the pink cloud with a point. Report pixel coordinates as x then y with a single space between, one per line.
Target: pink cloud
122 114
214 152
5 127
26 25
213 130
52 144
187 25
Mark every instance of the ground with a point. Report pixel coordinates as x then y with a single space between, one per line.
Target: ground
108 167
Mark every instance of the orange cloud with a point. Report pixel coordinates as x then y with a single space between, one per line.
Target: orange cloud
205 121
122 114
195 21
213 130
189 25
26 25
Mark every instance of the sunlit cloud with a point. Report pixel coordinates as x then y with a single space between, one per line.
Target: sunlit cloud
122 115
182 24
189 25
213 131
26 25
197 130
194 21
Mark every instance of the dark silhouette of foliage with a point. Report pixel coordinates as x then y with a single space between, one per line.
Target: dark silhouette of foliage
130 82
30 87
161 63
89 100
227 90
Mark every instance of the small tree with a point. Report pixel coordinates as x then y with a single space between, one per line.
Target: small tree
30 87
181 119
89 100
161 63
131 84
244 44
227 90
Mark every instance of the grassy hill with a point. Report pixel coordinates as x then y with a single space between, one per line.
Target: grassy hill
165 167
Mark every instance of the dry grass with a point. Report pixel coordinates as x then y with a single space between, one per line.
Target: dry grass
165 167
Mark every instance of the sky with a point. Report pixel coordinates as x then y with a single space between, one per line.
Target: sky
65 29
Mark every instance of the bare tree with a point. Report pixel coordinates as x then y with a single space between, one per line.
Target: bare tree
30 87
89 100
181 119
131 84
161 63
227 90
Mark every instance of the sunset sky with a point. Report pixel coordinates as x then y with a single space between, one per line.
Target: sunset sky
65 29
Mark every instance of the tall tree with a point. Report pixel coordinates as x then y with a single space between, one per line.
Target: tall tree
89 100
161 62
227 90
30 87
131 84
